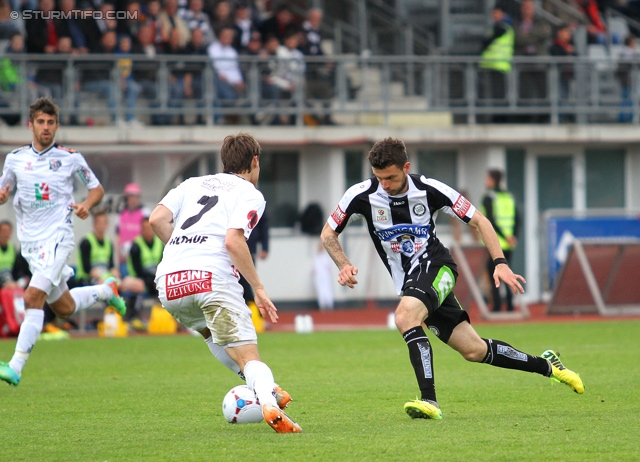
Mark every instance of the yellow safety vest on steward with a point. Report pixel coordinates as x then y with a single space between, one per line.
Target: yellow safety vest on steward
499 53
504 215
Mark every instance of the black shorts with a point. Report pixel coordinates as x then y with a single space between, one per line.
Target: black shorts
432 283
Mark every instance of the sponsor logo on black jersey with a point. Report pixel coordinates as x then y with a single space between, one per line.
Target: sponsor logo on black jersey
382 215
338 215
461 207
398 203
398 230
419 209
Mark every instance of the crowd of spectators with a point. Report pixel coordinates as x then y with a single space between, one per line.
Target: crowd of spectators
222 30
524 32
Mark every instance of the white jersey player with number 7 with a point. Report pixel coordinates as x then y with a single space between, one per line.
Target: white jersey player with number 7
204 223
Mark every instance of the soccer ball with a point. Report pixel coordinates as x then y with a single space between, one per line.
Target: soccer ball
241 405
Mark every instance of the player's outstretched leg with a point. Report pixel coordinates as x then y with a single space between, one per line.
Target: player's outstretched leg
561 374
8 375
423 409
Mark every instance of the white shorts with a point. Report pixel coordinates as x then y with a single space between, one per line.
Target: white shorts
200 299
48 261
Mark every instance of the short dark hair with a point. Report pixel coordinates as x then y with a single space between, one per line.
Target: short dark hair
99 212
496 176
6 223
45 105
387 152
237 153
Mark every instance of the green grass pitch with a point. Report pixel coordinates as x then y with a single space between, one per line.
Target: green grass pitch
159 398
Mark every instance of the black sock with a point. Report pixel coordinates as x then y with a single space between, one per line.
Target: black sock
422 361
502 354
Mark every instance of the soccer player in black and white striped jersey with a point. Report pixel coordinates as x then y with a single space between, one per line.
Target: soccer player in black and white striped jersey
400 210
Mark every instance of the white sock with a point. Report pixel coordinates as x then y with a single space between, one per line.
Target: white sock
221 355
260 380
87 296
27 338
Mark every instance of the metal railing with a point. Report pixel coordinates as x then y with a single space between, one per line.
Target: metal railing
546 90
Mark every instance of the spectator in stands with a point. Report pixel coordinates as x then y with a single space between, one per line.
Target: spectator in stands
10 78
92 29
499 206
144 256
198 19
126 80
169 19
221 16
10 70
135 18
180 78
144 43
14 269
8 26
129 223
158 35
101 83
496 60
108 17
268 91
563 46
96 253
532 38
624 72
532 35
74 28
145 72
228 79
42 34
596 28
50 74
279 23
196 47
291 67
274 82
319 76
244 26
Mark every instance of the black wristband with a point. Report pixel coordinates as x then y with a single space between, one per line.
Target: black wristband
500 261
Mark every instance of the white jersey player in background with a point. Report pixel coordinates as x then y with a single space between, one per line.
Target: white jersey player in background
204 223
42 174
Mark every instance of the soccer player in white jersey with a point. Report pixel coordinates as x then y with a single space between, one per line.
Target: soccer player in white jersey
204 223
42 174
400 211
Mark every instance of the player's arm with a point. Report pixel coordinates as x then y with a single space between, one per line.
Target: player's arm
236 245
161 220
7 183
93 198
347 274
490 239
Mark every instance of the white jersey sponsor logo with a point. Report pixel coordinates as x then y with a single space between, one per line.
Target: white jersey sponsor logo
183 283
